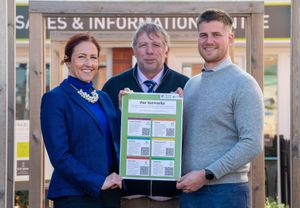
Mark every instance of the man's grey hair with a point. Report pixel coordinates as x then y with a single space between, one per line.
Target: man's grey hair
150 28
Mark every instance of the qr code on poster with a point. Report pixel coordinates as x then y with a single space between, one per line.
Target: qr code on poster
145 151
145 131
169 171
170 152
144 170
170 132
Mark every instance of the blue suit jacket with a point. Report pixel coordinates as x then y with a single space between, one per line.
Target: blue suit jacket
75 143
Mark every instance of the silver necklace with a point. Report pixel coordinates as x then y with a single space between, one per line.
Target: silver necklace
90 98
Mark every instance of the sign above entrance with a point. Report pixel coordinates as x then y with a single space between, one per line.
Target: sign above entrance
276 22
119 23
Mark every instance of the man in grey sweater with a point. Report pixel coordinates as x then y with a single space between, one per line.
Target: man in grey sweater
223 123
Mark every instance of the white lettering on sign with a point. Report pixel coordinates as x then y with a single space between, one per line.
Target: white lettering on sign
266 21
20 22
51 23
56 23
126 23
238 23
181 23
166 23
121 23
131 23
157 21
109 23
97 23
62 24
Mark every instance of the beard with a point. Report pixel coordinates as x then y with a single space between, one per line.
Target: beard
214 55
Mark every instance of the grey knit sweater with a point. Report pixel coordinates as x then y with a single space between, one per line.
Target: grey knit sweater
222 123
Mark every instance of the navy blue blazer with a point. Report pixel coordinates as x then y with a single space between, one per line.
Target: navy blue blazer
75 143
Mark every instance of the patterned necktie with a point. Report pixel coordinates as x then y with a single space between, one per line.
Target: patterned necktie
150 84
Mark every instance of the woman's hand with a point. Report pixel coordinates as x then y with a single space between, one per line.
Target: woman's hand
121 93
112 181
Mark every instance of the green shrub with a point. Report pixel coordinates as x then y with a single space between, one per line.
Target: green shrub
270 203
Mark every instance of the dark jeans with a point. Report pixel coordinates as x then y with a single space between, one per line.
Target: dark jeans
233 195
108 199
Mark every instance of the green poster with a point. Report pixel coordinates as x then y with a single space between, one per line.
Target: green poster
151 136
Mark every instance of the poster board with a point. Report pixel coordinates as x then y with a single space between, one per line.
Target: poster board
151 136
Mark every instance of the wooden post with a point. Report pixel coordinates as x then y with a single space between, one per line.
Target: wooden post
11 7
295 107
3 103
254 54
36 86
56 67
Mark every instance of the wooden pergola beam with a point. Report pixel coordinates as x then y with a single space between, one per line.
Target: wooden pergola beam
11 78
295 106
3 103
7 106
37 84
254 54
120 7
